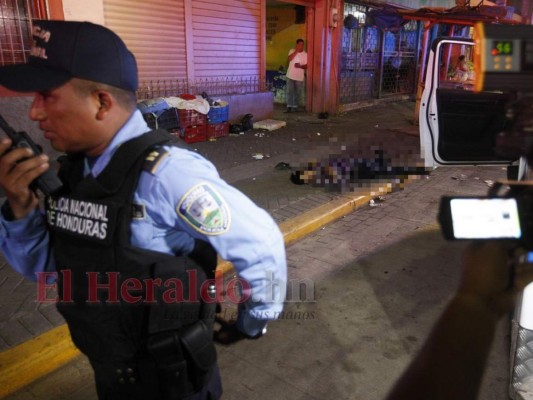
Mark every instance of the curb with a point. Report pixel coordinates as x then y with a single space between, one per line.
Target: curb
37 357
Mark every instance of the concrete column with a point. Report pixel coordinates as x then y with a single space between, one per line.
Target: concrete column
324 98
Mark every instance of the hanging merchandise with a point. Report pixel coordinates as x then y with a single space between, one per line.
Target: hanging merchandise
350 22
386 19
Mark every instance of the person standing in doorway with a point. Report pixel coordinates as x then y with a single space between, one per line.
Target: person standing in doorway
295 75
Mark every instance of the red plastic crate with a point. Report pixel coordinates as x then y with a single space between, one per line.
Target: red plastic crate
191 118
193 134
215 131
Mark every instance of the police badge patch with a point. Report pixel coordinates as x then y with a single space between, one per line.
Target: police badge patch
205 210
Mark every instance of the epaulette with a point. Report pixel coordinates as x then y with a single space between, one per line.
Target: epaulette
154 159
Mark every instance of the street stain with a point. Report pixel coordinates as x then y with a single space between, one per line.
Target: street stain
351 367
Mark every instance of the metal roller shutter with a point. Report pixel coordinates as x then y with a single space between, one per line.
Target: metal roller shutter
227 38
155 32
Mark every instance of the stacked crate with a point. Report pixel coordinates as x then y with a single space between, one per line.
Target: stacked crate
217 121
193 126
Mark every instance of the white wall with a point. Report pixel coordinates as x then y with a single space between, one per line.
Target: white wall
84 10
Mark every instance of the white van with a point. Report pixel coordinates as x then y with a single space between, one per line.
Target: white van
461 125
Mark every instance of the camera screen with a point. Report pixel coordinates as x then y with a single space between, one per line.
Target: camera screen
485 218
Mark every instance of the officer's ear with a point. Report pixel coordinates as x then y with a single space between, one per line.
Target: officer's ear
104 103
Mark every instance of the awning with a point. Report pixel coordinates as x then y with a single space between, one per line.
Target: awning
463 15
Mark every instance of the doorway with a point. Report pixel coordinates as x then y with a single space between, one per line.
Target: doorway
285 23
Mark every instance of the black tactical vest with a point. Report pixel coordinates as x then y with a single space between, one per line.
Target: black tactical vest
124 305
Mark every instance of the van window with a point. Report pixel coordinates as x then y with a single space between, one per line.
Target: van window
456 67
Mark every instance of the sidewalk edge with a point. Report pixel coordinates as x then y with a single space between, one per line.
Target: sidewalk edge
41 355
35 358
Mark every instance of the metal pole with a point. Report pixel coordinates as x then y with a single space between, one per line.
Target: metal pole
380 68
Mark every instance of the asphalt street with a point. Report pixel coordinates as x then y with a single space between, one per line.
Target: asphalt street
370 287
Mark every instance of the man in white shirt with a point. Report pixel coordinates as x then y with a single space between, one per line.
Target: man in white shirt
295 75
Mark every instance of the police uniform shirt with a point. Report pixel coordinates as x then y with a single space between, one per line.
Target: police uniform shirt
180 199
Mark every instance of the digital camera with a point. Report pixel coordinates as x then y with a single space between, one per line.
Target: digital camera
490 217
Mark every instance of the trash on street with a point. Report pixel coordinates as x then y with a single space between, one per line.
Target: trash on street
461 177
282 166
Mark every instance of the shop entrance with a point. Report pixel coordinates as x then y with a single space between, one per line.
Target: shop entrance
375 63
285 23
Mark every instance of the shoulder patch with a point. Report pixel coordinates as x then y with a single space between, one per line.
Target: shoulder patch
203 208
153 160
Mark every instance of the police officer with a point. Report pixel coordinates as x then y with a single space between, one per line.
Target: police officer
133 205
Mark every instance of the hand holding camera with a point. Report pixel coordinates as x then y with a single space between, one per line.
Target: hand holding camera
491 217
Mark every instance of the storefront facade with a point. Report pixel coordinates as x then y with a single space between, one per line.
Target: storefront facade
375 63
221 46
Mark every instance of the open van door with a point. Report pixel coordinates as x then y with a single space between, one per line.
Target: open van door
457 125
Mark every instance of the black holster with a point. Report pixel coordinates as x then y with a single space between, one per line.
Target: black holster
180 333
184 360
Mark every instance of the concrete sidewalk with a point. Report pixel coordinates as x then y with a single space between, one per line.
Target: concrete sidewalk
33 338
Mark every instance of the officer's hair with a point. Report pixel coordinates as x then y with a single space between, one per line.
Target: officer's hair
124 98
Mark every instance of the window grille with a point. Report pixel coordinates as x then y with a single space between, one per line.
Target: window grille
15 28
